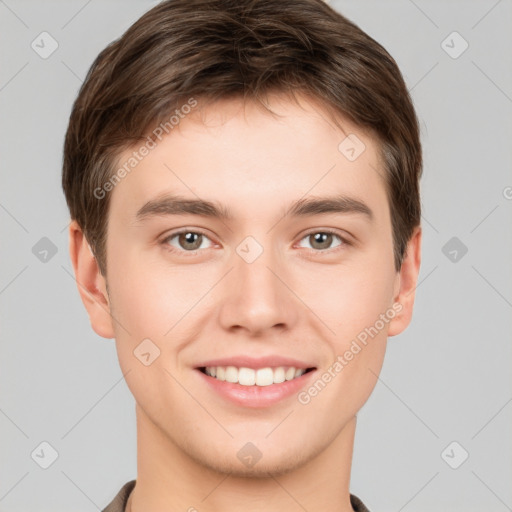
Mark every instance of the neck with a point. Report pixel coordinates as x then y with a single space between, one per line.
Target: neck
169 479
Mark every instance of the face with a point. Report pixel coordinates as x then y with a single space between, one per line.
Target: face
256 278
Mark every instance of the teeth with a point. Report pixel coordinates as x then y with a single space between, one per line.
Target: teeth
231 374
278 375
290 373
246 376
264 377
251 377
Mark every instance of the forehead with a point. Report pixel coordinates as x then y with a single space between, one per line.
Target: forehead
238 153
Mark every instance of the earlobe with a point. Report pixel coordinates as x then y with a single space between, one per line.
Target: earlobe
90 282
406 283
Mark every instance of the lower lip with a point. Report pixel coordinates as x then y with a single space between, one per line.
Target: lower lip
256 396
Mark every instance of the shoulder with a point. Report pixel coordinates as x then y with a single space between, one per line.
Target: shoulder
118 504
357 504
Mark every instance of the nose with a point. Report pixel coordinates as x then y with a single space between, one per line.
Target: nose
257 296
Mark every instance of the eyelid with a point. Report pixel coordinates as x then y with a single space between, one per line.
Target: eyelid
344 239
167 237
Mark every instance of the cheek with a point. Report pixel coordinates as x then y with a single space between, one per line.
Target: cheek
348 298
358 310
364 312
153 299
145 292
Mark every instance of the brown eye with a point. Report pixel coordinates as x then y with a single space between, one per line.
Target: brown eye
186 241
322 240
190 240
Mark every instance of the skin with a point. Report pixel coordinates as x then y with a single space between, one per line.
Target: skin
295 300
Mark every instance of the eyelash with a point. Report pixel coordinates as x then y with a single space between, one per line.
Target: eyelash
344 241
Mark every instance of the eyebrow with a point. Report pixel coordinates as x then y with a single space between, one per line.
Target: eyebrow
178 205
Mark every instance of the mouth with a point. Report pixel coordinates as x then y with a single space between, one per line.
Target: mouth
255 377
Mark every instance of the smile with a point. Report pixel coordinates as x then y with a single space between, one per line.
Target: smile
254 377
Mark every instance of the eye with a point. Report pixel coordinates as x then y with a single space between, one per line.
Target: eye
187 241
322 240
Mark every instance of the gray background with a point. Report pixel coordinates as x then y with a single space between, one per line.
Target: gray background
447 378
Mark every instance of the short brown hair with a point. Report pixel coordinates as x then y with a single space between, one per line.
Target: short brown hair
212 49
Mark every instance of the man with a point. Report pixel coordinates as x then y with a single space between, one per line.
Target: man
243 179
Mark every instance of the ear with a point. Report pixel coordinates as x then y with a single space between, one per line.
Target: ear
406 283
91 283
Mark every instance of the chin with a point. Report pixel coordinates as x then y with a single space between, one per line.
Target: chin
272 463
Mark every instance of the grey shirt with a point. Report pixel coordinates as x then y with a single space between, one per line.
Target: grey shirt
118 504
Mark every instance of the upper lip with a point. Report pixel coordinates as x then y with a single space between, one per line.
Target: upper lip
257 362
